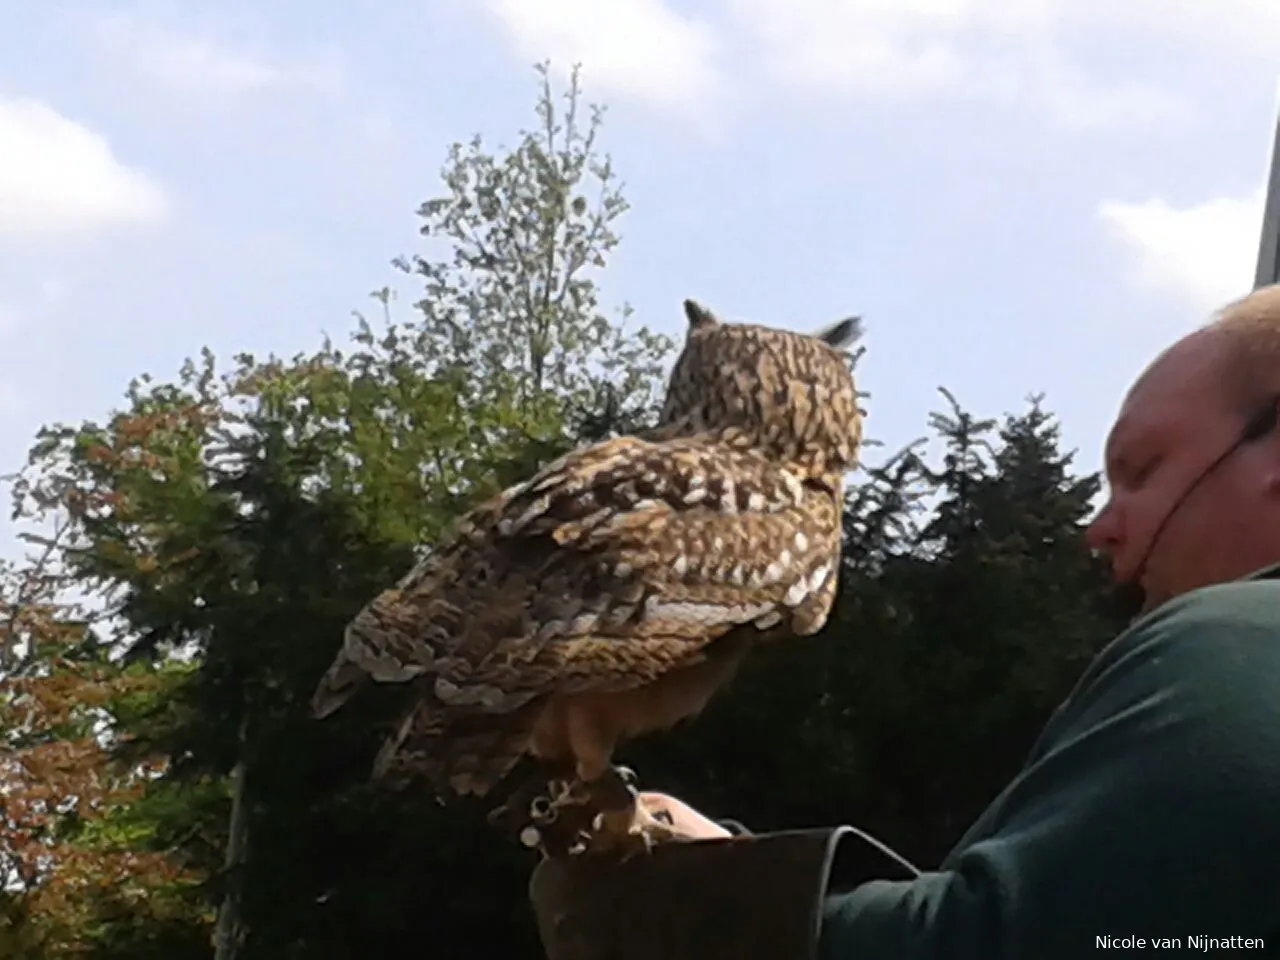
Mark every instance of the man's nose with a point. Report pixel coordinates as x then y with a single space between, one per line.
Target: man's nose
1105 532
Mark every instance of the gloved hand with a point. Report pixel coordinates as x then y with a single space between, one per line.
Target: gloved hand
742 897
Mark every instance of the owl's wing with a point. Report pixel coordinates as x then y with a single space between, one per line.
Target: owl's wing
605 570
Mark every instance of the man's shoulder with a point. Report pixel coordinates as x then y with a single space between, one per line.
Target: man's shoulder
1244 608
1173 698
1217 645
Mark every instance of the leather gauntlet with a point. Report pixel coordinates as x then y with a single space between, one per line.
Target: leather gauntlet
743 897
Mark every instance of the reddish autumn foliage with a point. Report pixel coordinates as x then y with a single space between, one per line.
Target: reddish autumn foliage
61 782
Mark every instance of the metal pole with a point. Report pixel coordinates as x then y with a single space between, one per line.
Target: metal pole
1268 269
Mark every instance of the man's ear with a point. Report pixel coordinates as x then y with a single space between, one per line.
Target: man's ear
699 316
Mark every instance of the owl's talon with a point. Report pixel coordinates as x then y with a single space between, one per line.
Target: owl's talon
560 791
543 811
627 776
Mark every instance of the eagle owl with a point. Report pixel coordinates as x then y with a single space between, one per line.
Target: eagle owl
614 592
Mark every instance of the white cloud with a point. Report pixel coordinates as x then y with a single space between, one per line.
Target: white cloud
1203 254
1077 101
53 290
58 177
199 62
1010 52
1248 28
874 46
636 48
9 319
1007 51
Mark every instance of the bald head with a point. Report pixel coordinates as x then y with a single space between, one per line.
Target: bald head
1190 503
1248 332
1236 355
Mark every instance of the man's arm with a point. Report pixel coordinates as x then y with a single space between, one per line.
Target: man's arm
1150 808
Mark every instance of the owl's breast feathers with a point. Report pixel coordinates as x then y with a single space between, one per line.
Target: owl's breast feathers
611 567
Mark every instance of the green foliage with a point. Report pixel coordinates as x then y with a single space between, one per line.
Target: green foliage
969 605
231 521
67 854
510 302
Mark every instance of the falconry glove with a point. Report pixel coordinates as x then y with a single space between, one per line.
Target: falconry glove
746 897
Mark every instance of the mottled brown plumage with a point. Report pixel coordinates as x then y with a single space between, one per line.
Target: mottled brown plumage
613 593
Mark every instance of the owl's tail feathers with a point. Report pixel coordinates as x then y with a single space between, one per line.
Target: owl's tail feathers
464 755
337 686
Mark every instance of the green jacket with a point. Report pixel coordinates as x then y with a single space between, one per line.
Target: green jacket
1147 815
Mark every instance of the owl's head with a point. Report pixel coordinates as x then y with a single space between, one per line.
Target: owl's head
788 394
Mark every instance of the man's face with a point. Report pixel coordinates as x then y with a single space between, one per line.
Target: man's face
1175 422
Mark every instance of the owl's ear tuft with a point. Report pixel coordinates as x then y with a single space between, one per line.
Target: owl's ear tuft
841 334
699 316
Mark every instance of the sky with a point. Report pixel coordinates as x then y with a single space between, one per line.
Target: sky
1017 196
